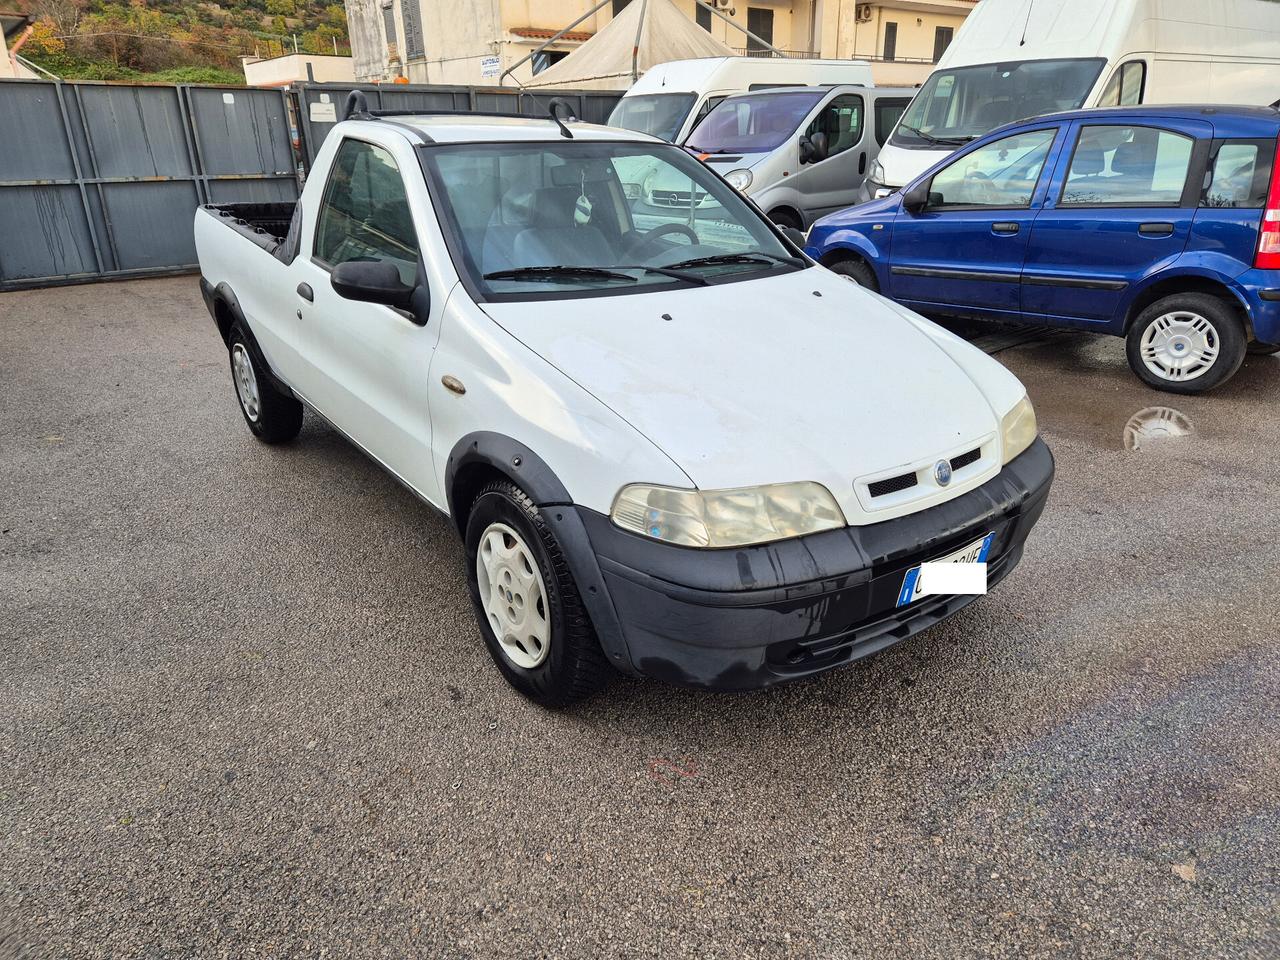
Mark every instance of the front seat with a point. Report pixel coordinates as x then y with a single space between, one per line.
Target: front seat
553 239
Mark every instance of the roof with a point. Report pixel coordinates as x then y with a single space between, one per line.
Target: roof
1243 119
486 128
13 23
542 33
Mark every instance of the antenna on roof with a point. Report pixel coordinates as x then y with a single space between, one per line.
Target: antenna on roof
357 107
554 115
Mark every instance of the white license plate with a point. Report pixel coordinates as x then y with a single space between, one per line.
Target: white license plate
975 552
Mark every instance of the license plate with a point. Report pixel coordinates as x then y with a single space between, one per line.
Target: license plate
975 552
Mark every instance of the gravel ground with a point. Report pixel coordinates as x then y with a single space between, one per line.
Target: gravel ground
244 710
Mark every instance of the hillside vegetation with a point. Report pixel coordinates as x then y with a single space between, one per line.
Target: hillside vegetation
176 41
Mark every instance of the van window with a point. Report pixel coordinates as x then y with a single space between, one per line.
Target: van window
1125 87
657 114
841 121
1001 174
365 212
1130 166
1239 175
753 122
887 111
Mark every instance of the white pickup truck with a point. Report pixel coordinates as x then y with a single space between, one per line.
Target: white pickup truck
672 444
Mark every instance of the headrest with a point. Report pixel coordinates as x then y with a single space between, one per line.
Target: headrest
1137 157
1088 161
554 206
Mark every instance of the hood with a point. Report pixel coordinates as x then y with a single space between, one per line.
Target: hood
901 165
763 381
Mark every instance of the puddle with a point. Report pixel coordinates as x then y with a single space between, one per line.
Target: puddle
1156 425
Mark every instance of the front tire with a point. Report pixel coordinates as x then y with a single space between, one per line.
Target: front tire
1186 343
859 271
274 417
785 218
526 602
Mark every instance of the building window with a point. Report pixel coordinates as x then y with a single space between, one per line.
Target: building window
619 6
703 16
890 40
941 40
389 25
411 14
759 22
546 58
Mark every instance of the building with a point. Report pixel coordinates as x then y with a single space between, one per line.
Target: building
296 67
476 41
14 30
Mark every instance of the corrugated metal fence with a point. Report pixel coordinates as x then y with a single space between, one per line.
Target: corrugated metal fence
101 181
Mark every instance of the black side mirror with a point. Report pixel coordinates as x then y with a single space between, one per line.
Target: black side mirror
372 281
795 235
813 147
916 197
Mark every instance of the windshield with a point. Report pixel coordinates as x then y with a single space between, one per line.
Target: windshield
753 123
956 106
532 220
659 114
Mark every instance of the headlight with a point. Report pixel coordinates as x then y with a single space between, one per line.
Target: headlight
726 518
877 172
739 179
1018 428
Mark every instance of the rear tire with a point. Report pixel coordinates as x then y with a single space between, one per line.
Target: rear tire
859 271
526 602
1186 343
274 417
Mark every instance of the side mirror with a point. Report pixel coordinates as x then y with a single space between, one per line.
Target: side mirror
372 281
795 235
813 148
916 197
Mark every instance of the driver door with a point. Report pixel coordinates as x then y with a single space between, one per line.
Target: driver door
964 251
831 183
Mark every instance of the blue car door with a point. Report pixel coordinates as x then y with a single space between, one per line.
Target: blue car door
1120 208
964 250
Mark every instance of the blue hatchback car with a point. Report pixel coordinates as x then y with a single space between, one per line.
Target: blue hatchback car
1158 224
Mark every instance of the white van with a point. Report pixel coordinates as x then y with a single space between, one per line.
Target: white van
669 100
1014 59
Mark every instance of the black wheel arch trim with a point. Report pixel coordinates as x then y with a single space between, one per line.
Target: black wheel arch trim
515 461
223 295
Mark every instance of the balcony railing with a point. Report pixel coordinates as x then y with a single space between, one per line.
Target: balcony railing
798 54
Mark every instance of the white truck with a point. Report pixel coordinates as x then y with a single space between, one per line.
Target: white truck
682 450
1016 59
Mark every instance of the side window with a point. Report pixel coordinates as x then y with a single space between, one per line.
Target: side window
1130 166
365 212
1240 174
841 121
1126 85
1001 174
887 113
708 105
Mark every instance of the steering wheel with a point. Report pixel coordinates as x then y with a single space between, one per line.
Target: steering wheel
639 241
983 190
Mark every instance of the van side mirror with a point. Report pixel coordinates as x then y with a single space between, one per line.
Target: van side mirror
372 281
813 147
916 197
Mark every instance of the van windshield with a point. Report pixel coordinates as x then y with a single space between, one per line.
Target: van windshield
959 105
657 114
753 123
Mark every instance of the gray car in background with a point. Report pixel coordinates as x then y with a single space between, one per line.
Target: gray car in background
801 152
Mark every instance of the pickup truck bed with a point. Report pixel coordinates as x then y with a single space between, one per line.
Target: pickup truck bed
275 227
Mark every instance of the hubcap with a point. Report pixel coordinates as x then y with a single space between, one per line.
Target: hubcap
1179 346
513 597
246 382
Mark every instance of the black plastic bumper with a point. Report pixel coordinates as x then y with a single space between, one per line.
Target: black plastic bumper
741 619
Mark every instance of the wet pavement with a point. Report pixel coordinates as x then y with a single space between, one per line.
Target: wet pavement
244 709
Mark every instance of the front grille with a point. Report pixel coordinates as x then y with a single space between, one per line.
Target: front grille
964 459
890 485
674 198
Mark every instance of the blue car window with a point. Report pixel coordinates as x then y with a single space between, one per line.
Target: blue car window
1002 173
1127 166
1238 175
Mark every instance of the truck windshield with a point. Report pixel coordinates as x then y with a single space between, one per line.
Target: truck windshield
754 122
531 220
959 105
659 114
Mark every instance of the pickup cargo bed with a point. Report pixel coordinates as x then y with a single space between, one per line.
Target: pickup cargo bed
275 227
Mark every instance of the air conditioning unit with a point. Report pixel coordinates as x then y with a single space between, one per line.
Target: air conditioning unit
862 12
723 5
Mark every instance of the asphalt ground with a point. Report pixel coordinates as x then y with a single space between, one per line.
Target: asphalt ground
244 710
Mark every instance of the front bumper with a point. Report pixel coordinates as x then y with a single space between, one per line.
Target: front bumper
757 616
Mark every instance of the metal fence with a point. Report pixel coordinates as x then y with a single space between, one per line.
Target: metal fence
101 180
320 106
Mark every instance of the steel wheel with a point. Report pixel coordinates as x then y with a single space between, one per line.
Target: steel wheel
1179 346
513 596
246 382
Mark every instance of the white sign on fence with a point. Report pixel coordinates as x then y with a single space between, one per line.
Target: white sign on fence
490 67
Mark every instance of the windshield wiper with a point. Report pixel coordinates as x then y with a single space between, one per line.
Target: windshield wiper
758 256
554 273
936 141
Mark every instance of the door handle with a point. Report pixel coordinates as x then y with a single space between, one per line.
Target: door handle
1156 230
306 293
862 162
1004 228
